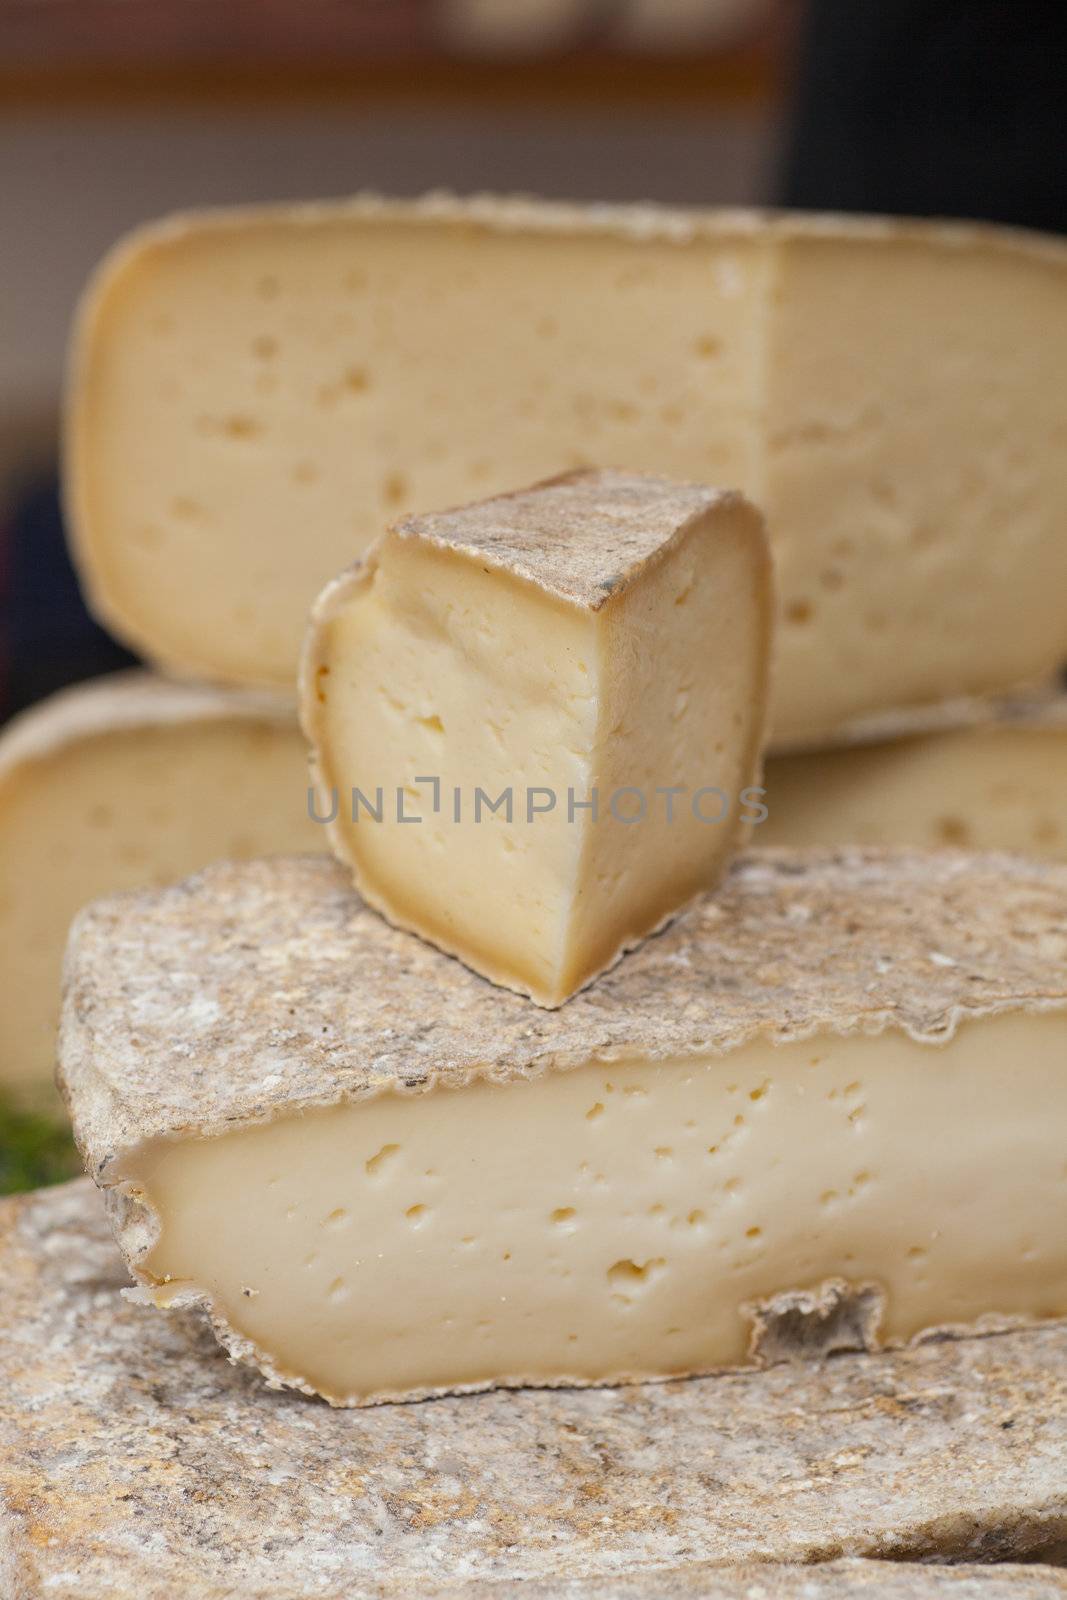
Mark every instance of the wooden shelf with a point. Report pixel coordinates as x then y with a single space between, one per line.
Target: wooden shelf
128 51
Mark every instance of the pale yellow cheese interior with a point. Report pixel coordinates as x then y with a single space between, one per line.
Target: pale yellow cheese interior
993 788
118 810
440 669
262 400
259 396
613 1220
915 472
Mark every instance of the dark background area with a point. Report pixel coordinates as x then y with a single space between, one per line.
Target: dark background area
953 109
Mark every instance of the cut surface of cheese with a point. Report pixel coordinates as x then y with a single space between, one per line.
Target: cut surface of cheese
617 1235
998 785
255 394
537 722
384 1178
132 1457
118 783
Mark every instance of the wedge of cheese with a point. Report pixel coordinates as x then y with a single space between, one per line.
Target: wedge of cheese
1000 784
118 783
804 1108
134 1458
255 394
537 722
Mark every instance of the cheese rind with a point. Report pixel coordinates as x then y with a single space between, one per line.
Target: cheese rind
111 1465
465 1194
255 394
999 784
536 722
112 785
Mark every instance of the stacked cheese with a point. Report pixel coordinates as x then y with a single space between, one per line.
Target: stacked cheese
784 1124
257 392
997 780
536 726
114 785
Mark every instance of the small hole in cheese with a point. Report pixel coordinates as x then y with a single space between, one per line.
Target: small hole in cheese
627 1275
241 426
376 1162
952 830
395 488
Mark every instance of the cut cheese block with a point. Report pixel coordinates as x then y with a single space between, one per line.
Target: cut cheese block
537 721
114 784
255 394
1000 784
137 1465
801 1107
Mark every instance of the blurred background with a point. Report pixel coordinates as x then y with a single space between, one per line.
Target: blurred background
115 111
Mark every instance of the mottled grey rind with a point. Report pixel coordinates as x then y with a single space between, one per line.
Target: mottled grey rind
819 1322
582 535
136 1464
257 989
